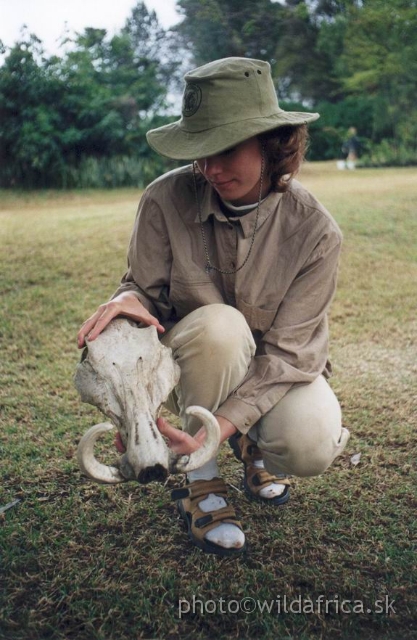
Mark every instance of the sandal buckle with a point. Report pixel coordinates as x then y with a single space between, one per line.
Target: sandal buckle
203 521
180 493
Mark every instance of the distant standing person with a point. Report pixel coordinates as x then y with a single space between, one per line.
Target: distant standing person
351 148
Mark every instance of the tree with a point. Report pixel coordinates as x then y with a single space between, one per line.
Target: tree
29 121
214 29
94 104
380 58
309 50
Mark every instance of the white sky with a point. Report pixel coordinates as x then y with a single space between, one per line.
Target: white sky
47 18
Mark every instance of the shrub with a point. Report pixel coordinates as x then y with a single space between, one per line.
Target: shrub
389 154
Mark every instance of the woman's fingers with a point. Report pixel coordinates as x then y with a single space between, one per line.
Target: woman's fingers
95 325
179 441
124 304
168 431
86 328
119 443
149 319
105 314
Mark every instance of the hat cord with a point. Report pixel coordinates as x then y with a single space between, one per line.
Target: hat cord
211 267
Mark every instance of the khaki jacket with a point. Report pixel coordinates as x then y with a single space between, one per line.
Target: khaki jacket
284 291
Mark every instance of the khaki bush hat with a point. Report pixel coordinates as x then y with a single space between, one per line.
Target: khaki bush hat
225 102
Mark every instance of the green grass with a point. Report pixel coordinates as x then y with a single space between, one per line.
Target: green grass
87 562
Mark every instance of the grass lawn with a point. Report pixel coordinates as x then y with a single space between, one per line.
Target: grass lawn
87 562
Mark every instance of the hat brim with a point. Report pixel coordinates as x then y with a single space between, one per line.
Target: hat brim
173 141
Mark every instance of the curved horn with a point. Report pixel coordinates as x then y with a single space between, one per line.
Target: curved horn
209 449
88 463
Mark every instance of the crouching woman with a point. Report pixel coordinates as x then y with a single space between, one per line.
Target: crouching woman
235 263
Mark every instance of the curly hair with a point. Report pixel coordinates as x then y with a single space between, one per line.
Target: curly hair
284 149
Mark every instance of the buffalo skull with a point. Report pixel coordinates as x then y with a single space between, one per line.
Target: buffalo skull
128 374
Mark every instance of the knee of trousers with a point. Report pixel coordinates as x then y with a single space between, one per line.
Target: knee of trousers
216 331
304 435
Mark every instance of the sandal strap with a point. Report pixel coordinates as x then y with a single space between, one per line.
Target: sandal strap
200 489
244 448
225 514
259 478
249 450
206 524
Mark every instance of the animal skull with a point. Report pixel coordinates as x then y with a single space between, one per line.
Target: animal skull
127 373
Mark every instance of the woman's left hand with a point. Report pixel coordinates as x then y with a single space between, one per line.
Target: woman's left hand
179 441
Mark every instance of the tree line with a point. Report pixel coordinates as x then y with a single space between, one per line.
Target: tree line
79 119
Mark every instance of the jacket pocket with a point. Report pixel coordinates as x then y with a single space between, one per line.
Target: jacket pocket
186 296
258 319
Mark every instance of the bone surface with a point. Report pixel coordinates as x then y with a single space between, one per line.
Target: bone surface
128 374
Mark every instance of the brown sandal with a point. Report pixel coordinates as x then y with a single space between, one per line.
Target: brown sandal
256 478
199 522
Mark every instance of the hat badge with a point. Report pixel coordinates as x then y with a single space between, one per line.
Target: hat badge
191 100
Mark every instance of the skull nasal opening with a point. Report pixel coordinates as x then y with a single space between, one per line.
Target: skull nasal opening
153 474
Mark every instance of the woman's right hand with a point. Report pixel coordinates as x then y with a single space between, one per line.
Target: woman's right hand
125 304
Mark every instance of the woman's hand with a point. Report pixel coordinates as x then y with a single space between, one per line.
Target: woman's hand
182 443
125 304
179 441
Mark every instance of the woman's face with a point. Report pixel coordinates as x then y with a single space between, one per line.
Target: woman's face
235 173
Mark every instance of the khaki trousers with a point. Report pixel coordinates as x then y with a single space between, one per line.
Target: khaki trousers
213 345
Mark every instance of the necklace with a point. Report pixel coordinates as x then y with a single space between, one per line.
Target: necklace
212 267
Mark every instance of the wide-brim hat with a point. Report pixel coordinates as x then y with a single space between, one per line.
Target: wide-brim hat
225 102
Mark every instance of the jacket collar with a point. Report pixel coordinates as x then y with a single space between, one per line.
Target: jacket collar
210 206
